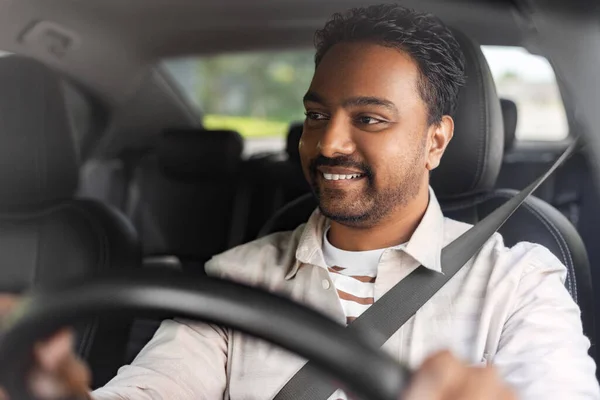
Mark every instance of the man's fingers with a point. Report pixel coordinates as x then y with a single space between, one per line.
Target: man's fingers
71 378
45 385
76 375
444 377
437 376
52 351
482 383
59 371
507 394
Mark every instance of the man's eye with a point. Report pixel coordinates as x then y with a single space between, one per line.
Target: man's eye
315 116
369 120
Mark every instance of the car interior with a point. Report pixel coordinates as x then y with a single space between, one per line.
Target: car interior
109 161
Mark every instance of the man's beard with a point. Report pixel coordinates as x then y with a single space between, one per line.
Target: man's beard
373 204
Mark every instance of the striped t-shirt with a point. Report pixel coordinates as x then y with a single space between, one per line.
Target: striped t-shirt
353 274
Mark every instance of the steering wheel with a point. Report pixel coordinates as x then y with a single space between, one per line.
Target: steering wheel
357 365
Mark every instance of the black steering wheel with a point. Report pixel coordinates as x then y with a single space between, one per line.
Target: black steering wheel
361 368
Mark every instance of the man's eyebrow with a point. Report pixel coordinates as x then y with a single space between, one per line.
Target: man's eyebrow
353 101
369 101
314 97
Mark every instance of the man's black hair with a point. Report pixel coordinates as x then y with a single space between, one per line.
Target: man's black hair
423 36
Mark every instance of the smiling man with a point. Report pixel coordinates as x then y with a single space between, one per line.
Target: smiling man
370 139
378 120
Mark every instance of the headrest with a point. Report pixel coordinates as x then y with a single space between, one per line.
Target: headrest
293 139
38 161
473 158
200 153
509 115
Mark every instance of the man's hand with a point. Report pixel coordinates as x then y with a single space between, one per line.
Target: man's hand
56 371
444 377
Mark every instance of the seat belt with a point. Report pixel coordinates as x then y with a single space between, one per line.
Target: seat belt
387 315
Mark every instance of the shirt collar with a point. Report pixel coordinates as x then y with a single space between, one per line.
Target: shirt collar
425 244
310 246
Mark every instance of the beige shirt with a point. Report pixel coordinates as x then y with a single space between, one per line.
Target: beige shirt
507 306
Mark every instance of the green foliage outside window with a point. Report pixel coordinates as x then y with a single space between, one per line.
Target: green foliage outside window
256 94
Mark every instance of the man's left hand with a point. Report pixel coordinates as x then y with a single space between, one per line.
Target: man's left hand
444 377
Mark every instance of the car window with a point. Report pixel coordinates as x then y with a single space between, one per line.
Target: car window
530 82
260 93
255 93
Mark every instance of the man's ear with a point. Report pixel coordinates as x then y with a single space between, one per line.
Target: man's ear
440 135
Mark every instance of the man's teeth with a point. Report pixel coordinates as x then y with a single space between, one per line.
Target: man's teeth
337 177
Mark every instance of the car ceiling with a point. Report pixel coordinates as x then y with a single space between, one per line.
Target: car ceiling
114 40
111 47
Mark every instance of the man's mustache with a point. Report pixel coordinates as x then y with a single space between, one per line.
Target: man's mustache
342 161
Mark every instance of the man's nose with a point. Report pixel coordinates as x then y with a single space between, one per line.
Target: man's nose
336 139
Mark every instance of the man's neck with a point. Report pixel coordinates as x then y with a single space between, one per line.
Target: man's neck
394 229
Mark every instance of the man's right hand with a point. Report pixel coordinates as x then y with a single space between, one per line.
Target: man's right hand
56 371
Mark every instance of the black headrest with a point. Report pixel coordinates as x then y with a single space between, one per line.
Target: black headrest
473 158
38 161
509 115
200 153
293 139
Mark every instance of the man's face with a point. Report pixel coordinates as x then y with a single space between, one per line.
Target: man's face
366 147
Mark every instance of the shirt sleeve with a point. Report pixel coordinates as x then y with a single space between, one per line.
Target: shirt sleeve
543 352
184 360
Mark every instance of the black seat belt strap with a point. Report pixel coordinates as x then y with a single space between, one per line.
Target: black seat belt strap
400 303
